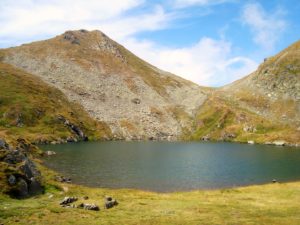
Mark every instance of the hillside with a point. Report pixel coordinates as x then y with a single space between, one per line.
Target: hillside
135 99
263 107
31 109
138 101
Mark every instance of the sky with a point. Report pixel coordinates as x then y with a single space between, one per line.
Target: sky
210 42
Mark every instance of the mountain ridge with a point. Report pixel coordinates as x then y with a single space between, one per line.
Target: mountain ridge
139 101
136 99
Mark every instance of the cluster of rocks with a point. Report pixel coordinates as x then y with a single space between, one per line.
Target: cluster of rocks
23 177
205 138
63 179
69 139
227 136
67 202
249 129
70 36
74 128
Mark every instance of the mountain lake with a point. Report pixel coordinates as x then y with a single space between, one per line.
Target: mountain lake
173 166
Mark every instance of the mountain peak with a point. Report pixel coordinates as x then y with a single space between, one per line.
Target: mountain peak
76 36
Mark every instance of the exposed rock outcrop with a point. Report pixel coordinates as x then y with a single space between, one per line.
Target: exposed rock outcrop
22 176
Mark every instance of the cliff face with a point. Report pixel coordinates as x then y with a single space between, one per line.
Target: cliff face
134 98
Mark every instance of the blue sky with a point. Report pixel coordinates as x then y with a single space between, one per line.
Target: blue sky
209 42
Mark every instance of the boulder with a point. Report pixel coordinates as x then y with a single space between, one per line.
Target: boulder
20 190
29 169
12 180
3 144
205 138
136 101
50 153
35 187
251 142
110 202
68 200
63 179
14 157
26 178
89 206
279 143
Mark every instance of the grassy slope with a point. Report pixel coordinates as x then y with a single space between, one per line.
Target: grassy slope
266 204
29 102
219 115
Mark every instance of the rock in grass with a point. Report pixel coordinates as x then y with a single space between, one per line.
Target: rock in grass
89 206
110 202
68 200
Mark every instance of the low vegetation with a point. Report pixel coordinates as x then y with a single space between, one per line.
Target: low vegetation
224 120
267 204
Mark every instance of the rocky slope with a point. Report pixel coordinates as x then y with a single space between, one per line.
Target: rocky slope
135 99
31 109
263 107
138 101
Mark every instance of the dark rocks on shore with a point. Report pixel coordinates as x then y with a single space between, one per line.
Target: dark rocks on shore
74 128
227 136
205 138
23 178
63 179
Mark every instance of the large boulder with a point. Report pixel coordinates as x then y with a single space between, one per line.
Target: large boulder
23 179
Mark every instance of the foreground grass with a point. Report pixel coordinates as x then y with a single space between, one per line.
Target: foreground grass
265 204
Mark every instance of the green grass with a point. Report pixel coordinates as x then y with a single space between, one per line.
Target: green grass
219 115
265 204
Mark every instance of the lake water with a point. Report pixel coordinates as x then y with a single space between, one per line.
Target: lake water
173 166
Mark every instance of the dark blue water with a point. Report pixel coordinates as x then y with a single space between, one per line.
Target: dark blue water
167 166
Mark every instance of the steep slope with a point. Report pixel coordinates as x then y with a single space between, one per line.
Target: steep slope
134 98
264 106
272 91
31 109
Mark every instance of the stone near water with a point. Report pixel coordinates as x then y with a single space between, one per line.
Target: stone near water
279 143
50 153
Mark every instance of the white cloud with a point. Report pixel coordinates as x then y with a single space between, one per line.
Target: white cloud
266 27
208 62
31 18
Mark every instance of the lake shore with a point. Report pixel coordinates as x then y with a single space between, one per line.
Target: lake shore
276 203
